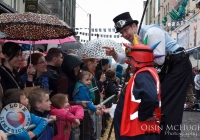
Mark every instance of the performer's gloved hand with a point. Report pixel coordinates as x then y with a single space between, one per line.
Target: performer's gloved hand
153 118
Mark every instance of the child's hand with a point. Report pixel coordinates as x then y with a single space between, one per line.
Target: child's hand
99 106
2 135
98 112
53 117
31 134
102 78
74 125
84 103
77 122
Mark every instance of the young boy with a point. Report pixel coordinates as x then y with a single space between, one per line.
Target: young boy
40 106
18 96
140 104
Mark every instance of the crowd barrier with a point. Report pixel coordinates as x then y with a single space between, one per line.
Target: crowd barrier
97 117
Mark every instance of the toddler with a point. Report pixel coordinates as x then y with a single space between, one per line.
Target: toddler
66 115
82 93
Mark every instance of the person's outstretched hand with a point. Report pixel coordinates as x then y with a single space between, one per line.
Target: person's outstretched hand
106 110
110 51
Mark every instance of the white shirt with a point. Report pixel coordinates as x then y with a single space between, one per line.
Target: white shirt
154 36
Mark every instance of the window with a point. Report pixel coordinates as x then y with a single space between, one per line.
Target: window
158 5
96 30
113 29
104 29
109 29
159 19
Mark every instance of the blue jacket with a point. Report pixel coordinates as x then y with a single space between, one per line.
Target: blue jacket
119 70
40 127
49 131
82 93
42 81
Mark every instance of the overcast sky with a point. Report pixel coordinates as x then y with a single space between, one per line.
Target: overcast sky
103 11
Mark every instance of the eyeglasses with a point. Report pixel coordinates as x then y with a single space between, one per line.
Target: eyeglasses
120 23
43 62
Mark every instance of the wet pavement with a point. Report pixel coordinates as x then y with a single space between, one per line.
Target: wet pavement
190 126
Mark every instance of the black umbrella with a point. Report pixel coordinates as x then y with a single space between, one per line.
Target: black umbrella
69 45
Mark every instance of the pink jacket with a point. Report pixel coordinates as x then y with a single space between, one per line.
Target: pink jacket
66 116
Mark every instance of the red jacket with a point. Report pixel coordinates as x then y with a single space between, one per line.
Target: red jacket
66 117
130 124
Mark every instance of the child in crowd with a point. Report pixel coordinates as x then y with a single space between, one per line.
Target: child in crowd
18 96
40 106
111 86
82 93
66 115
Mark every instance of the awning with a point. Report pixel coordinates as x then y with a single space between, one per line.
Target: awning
4 8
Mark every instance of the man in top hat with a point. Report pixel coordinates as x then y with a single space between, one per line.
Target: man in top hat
175 67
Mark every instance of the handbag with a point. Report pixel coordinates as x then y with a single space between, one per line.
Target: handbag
27 90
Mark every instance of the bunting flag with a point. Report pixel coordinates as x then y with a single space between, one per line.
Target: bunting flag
181 10
174 14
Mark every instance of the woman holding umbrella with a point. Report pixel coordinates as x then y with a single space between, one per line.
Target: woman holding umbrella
40 65
9 76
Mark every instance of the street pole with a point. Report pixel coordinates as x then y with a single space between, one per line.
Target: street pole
89 27
197 58
144 11
63 10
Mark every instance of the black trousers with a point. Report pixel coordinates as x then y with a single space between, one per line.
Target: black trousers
173 93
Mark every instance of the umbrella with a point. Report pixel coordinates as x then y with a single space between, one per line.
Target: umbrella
69 45
93 48
51 41
33 26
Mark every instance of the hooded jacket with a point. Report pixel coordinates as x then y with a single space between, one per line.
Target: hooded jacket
68 80
66 117
82 93
119 70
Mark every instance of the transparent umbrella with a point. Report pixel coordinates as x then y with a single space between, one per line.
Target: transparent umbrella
93 48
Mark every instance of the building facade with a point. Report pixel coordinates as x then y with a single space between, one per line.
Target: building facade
63 9
186 30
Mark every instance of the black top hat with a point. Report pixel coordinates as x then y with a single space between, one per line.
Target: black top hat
123 20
